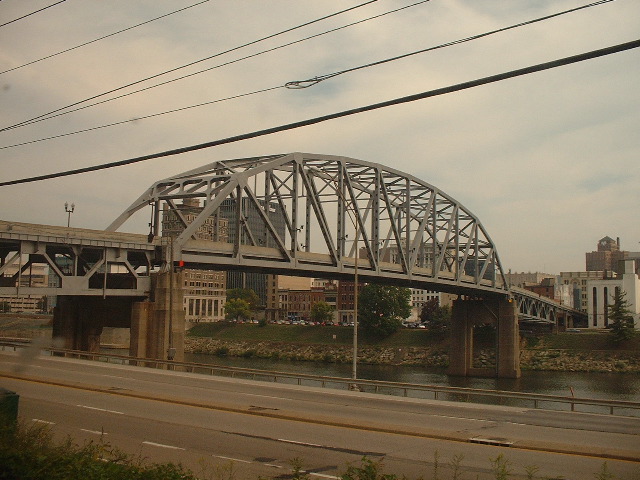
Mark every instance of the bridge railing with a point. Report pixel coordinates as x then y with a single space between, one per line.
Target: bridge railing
412 390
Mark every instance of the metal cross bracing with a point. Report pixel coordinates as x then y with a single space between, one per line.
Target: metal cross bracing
298 213
73 261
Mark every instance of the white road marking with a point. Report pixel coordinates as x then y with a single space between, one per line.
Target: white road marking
299 443
462 418
272 465
100 409
43 421
93 431
116 376
153 444
232 459
322 475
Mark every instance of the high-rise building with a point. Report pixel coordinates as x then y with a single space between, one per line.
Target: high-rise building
607 257
255 232
205 291
600 295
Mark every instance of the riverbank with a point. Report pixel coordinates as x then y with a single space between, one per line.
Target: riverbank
583 352
434 356
569 352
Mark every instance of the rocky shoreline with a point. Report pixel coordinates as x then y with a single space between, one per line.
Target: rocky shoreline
530 359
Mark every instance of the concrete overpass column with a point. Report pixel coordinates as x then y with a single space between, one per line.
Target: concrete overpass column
508 332
78 322
159 324
65 320
461 346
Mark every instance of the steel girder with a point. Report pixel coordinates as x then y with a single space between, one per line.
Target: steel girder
310 210
79 261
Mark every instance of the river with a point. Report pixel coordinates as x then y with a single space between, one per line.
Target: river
612 386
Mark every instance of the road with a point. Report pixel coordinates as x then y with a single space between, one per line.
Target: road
258 428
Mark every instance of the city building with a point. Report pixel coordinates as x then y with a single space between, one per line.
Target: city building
35 276
600 294
577 283
255 232
529 278
419 297
608 256
205 291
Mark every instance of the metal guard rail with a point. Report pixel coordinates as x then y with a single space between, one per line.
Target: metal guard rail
537 400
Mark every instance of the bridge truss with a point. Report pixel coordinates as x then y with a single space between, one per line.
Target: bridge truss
326 216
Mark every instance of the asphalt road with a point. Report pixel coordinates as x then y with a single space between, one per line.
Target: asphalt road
258 428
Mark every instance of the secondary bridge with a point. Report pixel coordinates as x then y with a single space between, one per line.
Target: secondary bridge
297 214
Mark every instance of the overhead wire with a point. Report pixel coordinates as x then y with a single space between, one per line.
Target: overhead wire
144 117
32 13
230 62
253 42
102 38
298 84
290 126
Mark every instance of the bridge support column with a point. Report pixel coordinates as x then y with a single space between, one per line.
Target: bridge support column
508 332
79 320
159 324
500 313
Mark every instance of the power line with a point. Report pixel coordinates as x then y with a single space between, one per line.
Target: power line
32 13
299 83
264 90
290 126
230 62
315 80
187 65
101 38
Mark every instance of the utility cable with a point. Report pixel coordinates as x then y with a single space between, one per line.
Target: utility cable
102 38
230 62
290 126
144 117
32 13
298 84
188 65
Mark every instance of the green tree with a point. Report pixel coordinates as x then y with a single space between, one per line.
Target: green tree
622 324
246 294
237 308
436 317
321 312
382 308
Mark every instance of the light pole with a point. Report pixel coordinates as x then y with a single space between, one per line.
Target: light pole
354 365
350 208
69 211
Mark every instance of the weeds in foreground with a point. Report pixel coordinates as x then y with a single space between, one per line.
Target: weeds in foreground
30 453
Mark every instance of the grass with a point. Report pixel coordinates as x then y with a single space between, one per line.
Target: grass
588 341
310 335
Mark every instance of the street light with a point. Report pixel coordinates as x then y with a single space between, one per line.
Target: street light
350 207
69 211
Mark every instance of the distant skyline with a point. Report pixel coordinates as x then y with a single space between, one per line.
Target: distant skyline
549 162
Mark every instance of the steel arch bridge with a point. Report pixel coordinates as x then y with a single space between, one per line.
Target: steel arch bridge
321 215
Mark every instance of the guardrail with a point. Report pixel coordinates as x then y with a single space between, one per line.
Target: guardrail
413 390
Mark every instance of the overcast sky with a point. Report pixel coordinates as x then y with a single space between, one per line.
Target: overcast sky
549 162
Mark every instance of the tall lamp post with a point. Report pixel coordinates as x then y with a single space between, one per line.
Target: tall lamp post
69 211
350 208
354 365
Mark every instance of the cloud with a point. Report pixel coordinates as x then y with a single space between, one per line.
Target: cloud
547 161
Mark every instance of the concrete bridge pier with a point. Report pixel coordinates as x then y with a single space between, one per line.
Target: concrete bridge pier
79 320
501 313
158 324
155 324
